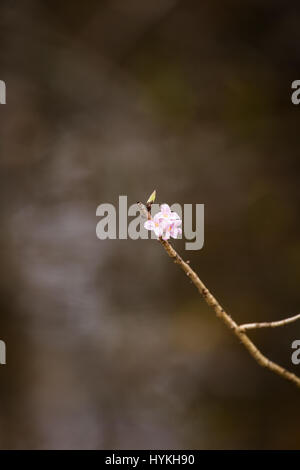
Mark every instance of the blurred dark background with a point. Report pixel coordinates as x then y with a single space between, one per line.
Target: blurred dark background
108 344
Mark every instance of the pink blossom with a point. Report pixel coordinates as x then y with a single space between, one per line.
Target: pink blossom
172 229
166 213
175 229
156 225
165 223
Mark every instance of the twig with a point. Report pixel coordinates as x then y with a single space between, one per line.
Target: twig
229 322
272 324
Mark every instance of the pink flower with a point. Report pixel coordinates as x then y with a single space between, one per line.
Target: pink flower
172 230
165 223
175 229
156 225
166 213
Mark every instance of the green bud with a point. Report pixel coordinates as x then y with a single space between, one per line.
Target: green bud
152 197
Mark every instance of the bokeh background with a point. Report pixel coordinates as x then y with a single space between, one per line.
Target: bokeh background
108 344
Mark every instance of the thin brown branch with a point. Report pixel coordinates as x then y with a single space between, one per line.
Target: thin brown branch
272 324
226 318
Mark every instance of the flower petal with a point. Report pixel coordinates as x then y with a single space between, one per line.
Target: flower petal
149 225
158 217
176 222
165 209
159 229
